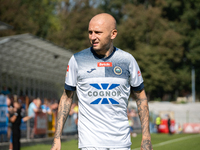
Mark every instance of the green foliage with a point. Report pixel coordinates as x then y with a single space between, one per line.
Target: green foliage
163 35
157 47
35 17
74 21
185 17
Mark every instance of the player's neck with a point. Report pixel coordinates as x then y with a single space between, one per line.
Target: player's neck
109 52
106 53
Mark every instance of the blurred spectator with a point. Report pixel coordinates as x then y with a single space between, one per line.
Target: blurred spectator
23 106
17 106
5 91
32 109
10 107
54 106
10 112
45 107
169 124
178 128
74 112
131 113
38 104
16 122
158 122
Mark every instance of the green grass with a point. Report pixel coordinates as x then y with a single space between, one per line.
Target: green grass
159 141
171 142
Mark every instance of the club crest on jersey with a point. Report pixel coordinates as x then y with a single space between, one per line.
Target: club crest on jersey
117 70
103 92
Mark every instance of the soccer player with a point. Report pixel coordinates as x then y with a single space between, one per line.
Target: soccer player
103 77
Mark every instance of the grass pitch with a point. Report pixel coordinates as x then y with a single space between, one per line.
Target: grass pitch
159 141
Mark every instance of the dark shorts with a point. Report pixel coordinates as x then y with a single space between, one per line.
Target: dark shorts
32 122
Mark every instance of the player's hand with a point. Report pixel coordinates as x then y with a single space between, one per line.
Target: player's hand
56 145
146 144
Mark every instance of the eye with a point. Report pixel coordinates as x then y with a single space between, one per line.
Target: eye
98 32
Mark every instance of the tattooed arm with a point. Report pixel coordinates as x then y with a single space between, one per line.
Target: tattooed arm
143 111
63 112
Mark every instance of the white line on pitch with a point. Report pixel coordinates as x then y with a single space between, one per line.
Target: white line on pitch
171 141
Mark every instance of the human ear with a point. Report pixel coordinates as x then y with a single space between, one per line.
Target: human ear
113 34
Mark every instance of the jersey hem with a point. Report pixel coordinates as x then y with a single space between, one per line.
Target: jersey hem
100 146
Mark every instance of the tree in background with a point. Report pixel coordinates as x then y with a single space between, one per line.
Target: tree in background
74 19
156 46
184 16
163 35
28 16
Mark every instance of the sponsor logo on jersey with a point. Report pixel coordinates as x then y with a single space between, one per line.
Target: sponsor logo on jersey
104 64
103 93
139 73
67 68
117 70
91 70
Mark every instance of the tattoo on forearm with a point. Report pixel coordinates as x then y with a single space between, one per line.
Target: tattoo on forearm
143 112
53 144
63 111
146 145
59 122
66 111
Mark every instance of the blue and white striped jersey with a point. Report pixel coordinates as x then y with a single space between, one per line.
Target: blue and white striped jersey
103 88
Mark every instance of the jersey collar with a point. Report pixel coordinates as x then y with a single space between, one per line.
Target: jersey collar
100 57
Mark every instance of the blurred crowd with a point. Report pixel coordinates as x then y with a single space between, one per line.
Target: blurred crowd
22 109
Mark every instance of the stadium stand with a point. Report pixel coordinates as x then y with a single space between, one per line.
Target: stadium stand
31 65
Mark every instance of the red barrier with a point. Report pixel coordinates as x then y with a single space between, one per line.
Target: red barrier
40 124
191 128
163 128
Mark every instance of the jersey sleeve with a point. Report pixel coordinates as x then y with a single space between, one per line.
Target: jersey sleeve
136 80
71 75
